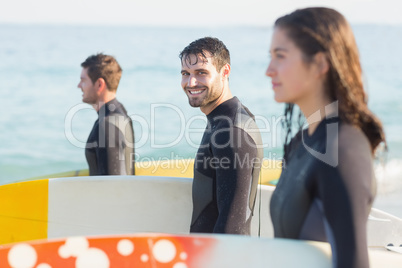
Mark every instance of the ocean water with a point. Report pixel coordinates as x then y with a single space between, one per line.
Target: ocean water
44 125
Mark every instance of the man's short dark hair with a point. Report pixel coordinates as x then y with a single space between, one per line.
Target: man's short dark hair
103 66
201 47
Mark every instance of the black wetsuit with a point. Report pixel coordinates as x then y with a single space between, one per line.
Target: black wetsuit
226 171
110 145
328 196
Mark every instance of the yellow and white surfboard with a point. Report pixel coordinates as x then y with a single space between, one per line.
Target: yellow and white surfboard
109 205
101 205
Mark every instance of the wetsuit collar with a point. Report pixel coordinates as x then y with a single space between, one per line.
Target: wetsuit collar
320 131
224 108
108 107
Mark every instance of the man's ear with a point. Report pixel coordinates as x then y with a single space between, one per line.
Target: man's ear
100 85
226 71
322 63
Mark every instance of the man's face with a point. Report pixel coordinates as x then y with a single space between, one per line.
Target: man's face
202 83
88 88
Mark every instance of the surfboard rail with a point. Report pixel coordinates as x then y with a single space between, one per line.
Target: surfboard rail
184 168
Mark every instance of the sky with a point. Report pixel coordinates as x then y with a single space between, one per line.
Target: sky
187 13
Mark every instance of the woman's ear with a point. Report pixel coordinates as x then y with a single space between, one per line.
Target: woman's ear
322 63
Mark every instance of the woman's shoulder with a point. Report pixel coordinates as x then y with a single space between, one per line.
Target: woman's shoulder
355 157
352 138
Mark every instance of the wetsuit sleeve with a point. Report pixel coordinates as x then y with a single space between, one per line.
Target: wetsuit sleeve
235 152
111 149
347 192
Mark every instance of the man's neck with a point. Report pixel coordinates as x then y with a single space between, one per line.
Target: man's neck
226 95
103 100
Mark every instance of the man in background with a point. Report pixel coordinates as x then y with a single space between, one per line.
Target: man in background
228 161
110 146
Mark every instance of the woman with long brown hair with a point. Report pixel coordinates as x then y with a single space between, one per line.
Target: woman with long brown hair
327 185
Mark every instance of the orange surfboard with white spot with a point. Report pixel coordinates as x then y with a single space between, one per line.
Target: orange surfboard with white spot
176 251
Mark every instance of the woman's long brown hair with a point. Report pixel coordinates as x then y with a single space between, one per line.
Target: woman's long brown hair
325 30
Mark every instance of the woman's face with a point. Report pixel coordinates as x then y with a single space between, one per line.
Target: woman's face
292 78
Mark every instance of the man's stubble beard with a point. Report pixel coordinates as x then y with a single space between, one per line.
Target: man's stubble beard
212 94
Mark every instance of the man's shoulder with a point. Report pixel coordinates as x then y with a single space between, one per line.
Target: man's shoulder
117 118
244 114
235 116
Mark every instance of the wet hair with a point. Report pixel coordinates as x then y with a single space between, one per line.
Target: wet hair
103 66
204 47
325 30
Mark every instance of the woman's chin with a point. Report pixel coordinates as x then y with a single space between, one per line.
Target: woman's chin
279 99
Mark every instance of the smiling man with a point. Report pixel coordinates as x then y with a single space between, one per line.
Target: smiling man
110 146
228 161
